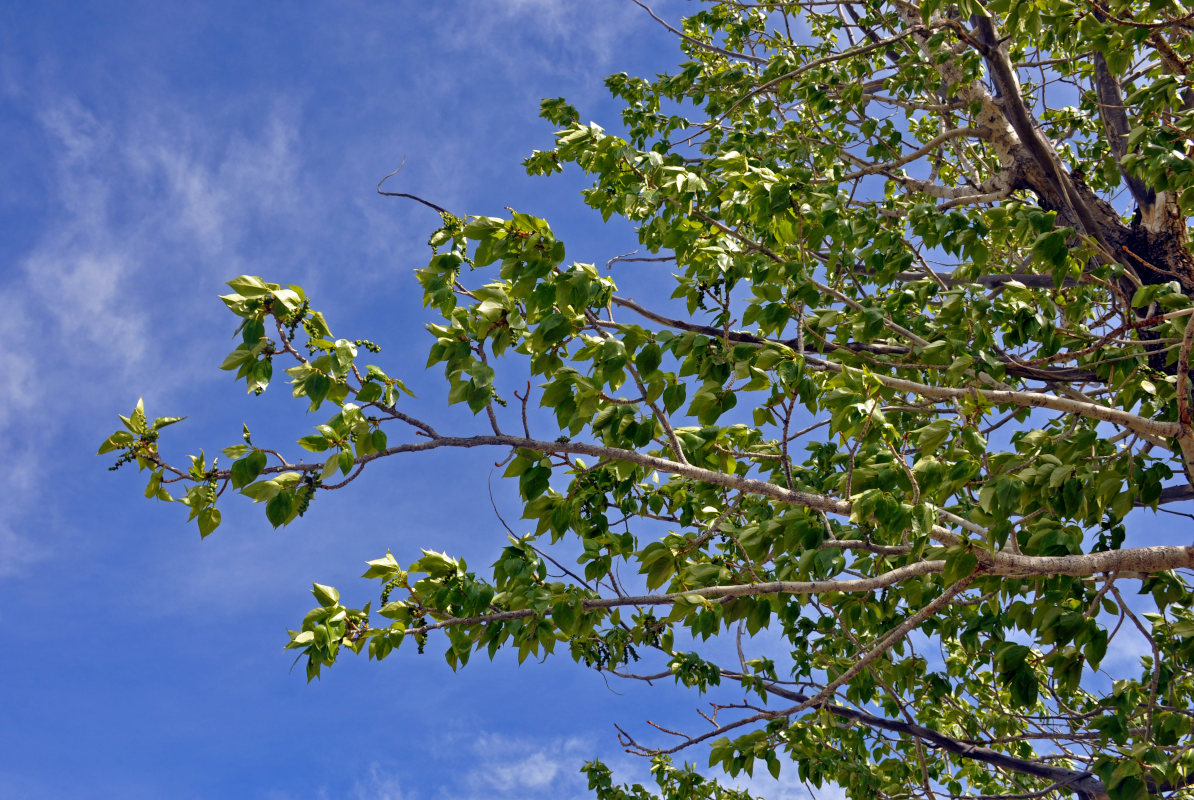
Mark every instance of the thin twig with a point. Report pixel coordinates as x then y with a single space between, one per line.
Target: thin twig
414 197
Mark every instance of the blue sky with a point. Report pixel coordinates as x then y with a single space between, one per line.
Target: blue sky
150 152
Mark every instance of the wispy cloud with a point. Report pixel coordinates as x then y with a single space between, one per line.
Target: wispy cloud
153 197
511 766
144 205
378 783
578 35
493 766
150 201
17 362
17 550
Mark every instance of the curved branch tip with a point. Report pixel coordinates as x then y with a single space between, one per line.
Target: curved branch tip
416 198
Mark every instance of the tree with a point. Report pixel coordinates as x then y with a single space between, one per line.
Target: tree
932 374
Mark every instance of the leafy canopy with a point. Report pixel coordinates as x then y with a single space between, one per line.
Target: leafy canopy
918 398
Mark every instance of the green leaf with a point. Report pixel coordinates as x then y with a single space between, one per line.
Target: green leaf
135 422
117 441
262 490
316 386
236 359
260 375
325 595
252 332
369 393
385 567
250 286
279 509
648 360
929 437
960 562
316 443
246 470
209 520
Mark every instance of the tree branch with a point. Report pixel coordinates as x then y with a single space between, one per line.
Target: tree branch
1117 127
414 197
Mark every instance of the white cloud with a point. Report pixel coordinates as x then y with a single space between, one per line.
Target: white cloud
564 40
17 551
213 188
535 771
378 783
145 205
17 362
84 293
588 30
506 766
146 200
495 766
79 133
